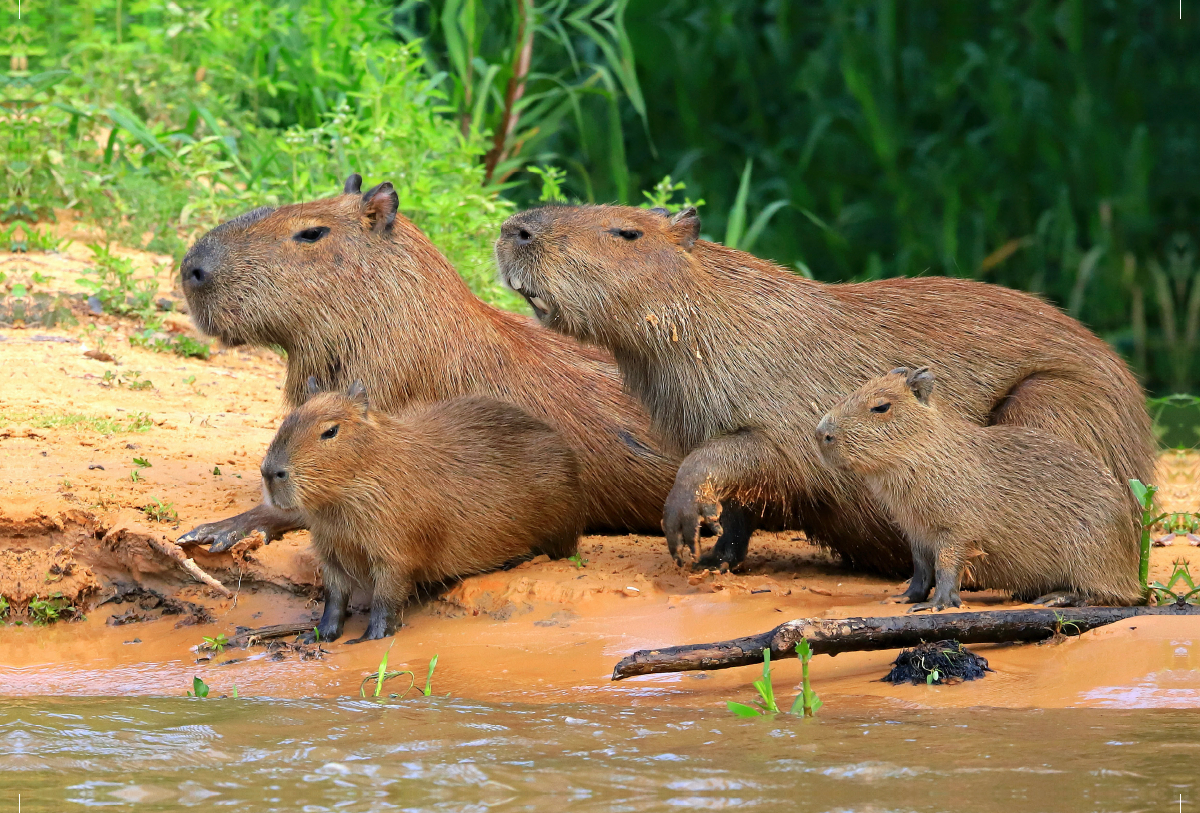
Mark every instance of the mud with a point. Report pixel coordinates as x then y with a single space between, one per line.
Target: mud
81 517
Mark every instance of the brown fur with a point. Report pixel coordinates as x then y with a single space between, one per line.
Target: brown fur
737 359
422 496
372 299
1021 509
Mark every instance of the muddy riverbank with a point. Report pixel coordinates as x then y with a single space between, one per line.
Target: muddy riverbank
110 451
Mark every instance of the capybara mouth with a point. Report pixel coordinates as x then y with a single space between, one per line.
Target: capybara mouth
541 308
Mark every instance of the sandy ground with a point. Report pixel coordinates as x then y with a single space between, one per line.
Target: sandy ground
74 520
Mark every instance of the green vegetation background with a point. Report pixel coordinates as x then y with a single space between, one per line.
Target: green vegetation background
1049 146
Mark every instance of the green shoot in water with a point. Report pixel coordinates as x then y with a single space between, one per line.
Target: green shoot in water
216 644
429 677
199 688
1144 495
806 703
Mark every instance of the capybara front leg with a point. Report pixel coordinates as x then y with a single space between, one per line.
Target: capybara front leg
391 592
225 533
705 489
338 587
922 579
737 526
948 563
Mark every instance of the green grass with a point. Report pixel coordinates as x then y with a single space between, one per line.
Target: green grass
45 611
160 511
216 643
136 422
383 675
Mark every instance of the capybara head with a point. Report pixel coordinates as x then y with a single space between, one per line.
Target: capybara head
581 266
318 449
251 279
874 425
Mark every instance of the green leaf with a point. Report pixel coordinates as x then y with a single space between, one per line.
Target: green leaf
737 215
742 710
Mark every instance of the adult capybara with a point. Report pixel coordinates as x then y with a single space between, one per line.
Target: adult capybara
352 290
1017 508
433 492
737 359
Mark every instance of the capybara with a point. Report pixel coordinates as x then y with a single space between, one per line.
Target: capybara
1017 508
424 495
737 359
353 290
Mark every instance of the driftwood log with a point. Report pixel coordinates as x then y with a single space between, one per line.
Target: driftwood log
828 636
250 637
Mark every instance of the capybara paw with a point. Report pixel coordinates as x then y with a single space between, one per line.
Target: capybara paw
219 536
936 604
903 598
1061 598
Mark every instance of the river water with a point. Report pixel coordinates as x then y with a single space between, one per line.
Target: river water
444 754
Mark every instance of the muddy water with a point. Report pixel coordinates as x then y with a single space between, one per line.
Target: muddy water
432 754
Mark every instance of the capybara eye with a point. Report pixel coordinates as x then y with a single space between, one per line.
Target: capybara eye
881 408
311 235
627 234
330 433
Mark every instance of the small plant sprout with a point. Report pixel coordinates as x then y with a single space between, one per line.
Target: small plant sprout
142 463
1144 495
429 677
216 471
806 703
134 477
552 178
46 611
216 644
807 700
199 688
160 511
577 560
384 675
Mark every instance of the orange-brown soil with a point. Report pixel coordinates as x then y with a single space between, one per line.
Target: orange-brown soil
75 528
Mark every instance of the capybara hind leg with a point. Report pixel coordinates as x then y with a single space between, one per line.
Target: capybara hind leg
224 534
1081 415
723 470
737 526
338 587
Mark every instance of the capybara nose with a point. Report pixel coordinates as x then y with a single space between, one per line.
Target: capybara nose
825 429
520 234
195 276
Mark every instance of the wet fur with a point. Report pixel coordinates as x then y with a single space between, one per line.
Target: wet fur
429 494
1021 510
737 359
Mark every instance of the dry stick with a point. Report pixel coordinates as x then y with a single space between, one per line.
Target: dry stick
251 637
175 552
522 56
828 636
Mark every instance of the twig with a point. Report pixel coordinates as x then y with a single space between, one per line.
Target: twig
175 552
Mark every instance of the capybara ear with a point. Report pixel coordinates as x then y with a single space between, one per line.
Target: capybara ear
659 210
358 394
379 205
920 381
312 386
353 185
685 228
900 371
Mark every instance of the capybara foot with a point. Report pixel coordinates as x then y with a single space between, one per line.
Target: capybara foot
937 603
222 535
688 512
1061 598
321 634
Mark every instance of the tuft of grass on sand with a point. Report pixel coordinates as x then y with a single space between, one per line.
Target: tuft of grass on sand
137 422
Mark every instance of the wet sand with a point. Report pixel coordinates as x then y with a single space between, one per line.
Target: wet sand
72 520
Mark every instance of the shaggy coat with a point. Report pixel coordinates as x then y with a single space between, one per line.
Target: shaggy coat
737 359
353 291
425 495
1018 509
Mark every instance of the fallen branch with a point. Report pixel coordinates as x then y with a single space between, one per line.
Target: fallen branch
173 551
252 637
828 636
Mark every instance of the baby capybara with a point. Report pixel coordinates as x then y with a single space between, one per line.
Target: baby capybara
420 496
737 359
1016 508
353 290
